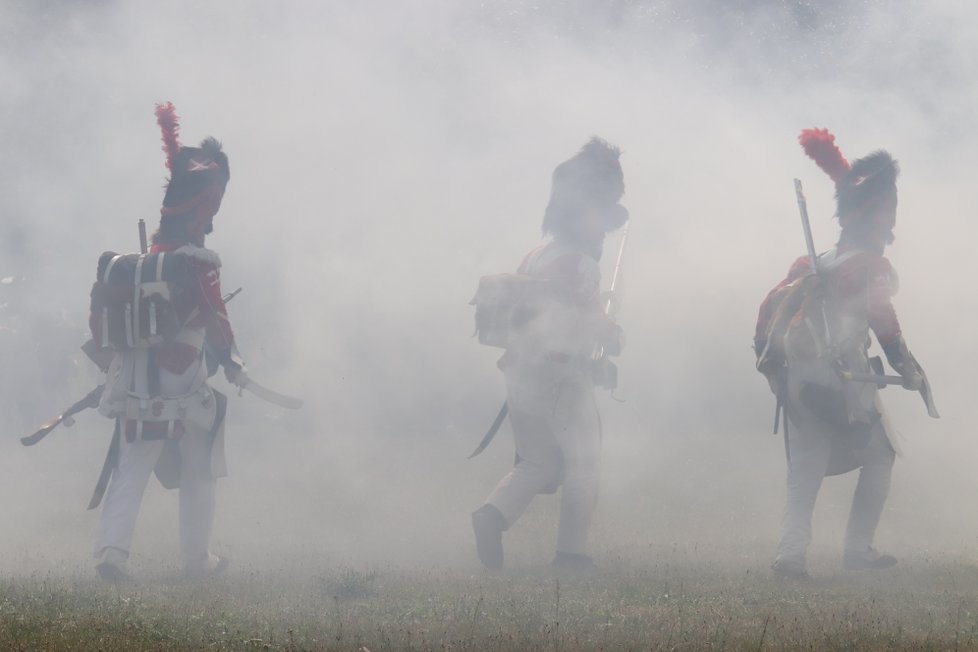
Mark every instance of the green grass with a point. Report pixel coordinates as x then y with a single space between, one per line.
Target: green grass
660 606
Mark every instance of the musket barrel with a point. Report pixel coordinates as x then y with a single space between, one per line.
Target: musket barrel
805 223
143 243
616 274
599 351
810 244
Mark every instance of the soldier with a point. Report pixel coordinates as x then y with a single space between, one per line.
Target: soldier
186 446
839 426
548 366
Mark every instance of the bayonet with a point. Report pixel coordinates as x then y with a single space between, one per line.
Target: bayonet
605 371
616 274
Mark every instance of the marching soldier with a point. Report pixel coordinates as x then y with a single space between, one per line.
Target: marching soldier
548 365
837 425
167 417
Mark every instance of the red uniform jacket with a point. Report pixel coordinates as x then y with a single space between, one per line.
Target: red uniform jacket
577 279
863 283
203 307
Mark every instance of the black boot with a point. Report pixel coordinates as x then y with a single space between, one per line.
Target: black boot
489 524
573 561
790 569
868 559
111 573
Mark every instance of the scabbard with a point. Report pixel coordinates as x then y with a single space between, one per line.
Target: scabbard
493 429
111 462
778 406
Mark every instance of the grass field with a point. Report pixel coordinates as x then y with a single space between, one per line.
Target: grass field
666 605
381 557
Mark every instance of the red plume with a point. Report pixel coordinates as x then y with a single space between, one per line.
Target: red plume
820 146
167 118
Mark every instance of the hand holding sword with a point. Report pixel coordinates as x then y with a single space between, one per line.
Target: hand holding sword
918 382
91 400
242 381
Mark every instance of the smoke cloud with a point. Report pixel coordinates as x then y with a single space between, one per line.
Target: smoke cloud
384 156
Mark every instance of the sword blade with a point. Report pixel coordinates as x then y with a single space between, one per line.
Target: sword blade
925 392
493 429
289 402
928 397
89 401
42 431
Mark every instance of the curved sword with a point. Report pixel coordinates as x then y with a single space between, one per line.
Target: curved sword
263 392
493 429
89 401
882 380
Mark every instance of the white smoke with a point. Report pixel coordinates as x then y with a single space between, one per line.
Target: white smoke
385 155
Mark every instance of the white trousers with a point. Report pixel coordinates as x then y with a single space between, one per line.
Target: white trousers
558 440
817 450
113 538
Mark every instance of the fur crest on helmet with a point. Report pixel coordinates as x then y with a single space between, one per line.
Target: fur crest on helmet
198 177
195 169
592 178
859 184
870 179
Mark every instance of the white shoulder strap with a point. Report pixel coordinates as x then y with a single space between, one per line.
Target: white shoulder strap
108 268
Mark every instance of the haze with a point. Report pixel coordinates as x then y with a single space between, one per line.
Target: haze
386 155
